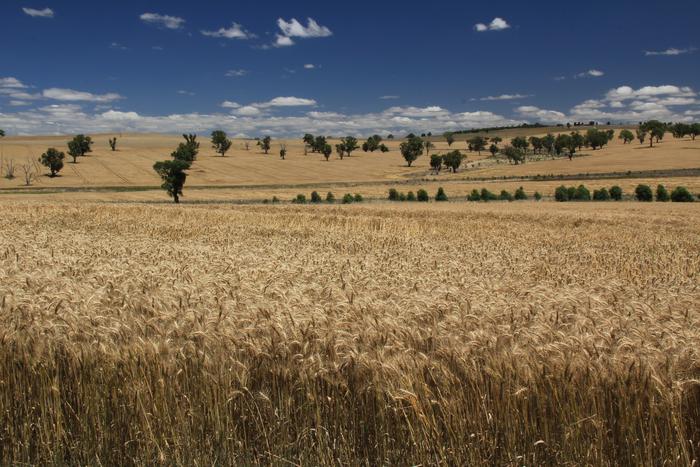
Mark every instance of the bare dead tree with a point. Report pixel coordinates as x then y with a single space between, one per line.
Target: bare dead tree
246 145
29 172
8 169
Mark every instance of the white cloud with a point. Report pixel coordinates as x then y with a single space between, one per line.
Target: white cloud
230 105
505 97
117 46
590 74
541 115
670 52
294 28
184 92
169 22
236 73
497 24
11 82
60 94
309 66
248 111
283 41
45 13
286 102
120 116
389 97
236 31
627 92
15 103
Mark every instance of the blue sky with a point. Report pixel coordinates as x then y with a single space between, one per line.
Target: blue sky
284 68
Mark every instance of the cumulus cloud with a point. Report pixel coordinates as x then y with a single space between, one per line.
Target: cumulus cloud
505 97
497 24
12 83
389 97
309 66
540 115
44 13
670 52
286 102
60 94
248 111
294 28
166 21
283 41
230 105
627 92
236 73
236 31
593 73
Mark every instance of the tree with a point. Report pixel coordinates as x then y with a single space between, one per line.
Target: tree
2 133
383 148
514 155
626 136
79 146
113 143
694 130
563 141
53 160
536 144
449 137
679 130
347 146
265 143
616 193
436 163
283 151
428 146
577 140
29 172
520 194
372 143
596 138
681 195
655 128
192 144
496 140
422 196
453 160
643 193
662 194
641 135
327 150
474 195
478 143
220 142
318 144
173 175
309 139
519 142
411 149
601 195
440 195
548 143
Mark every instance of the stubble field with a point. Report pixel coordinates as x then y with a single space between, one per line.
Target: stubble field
462 334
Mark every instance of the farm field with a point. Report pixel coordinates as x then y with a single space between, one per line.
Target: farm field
447 333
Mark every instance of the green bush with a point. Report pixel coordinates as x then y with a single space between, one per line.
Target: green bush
411 196
266 201
520 194
582 194
300 199
505 196
662 194
681 195
393 194
275 200
330 197
486 195
348 198
643 193
561 194
440 195
423 196
537 196
571 192
358 198
616 193
474 195
315 197
402 196
601 195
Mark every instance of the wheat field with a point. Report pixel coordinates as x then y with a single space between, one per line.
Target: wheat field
456 334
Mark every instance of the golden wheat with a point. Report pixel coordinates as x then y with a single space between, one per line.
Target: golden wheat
504 334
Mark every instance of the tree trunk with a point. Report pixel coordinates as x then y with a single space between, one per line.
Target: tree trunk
176 198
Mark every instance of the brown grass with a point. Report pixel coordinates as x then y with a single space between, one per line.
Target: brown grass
457 334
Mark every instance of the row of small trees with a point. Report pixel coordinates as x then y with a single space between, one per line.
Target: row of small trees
641 193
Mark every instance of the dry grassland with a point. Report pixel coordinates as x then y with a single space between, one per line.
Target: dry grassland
458 334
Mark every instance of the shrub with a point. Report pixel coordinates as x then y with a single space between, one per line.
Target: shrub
275 199
486 195
348 198
561 194
681 195
358 198
474 195
662 194
402 196
315 197
266 201
616 193
423 196
505 196
411 196
571 192
643 193
393 194
300 199
537 196
440 195
601 195
520 194
330 198
582 194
